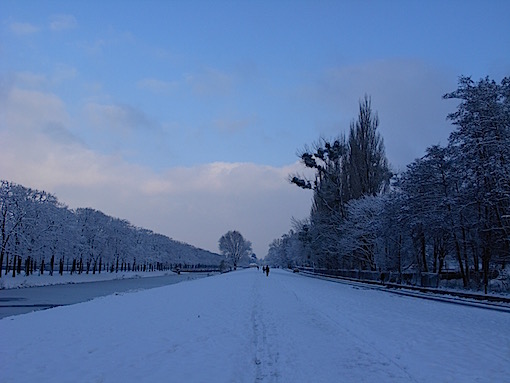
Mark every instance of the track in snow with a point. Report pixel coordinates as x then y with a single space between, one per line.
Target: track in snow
289 319
265 331
496 303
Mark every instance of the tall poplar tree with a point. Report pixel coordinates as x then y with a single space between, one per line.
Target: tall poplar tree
368 171
344 170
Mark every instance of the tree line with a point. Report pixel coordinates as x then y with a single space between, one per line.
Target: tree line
37 232
448 209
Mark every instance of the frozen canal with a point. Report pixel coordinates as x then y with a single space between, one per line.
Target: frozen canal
20 301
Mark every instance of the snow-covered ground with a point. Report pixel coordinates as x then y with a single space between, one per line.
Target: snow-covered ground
34 280
246 327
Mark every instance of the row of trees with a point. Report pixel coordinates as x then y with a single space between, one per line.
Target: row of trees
35 226
449 208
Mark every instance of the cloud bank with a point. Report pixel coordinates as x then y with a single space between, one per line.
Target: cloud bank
193 204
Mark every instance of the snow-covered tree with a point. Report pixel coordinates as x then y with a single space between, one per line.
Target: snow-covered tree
284 251
393 239
361 231
11 217
39 231
452 206
480 152
234 247
345 170
427 193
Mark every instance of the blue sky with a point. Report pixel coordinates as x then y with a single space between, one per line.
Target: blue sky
185 116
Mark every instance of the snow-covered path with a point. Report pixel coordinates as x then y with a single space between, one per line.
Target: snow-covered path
246 327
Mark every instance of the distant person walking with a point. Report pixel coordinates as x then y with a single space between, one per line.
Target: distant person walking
267 271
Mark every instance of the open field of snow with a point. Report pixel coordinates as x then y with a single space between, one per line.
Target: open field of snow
246 327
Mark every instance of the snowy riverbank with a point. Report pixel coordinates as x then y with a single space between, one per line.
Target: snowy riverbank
20 281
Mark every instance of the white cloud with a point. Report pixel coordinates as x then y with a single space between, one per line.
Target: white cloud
30 111
23 29
194 204
60 23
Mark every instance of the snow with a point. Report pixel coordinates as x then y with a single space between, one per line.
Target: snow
34 280
246 327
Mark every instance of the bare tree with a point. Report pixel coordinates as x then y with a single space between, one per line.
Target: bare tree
234 247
